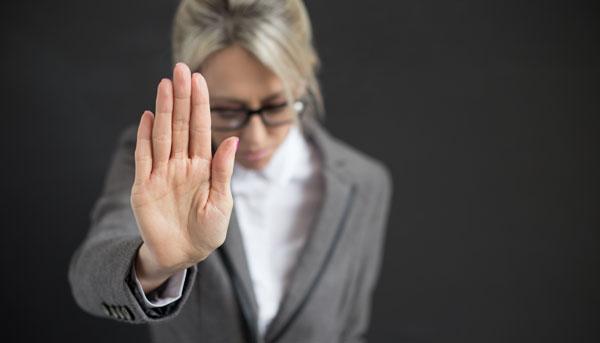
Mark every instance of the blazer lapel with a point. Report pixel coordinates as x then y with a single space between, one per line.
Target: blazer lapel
327 228
337 200
233 254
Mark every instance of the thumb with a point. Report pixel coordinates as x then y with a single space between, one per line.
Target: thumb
222 169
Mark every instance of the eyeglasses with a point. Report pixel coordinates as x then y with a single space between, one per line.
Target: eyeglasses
224 119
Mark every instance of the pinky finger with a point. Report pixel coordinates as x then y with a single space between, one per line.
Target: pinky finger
143 148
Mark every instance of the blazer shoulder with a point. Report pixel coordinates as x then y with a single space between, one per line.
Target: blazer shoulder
364 168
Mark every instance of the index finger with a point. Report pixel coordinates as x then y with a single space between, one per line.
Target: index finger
200 136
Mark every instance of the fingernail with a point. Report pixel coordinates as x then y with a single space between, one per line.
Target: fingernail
237 142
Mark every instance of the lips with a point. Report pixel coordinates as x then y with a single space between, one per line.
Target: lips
254 155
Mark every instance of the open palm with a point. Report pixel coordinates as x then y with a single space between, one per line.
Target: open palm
181 195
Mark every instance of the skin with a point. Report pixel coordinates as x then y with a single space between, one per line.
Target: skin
181 197
235 74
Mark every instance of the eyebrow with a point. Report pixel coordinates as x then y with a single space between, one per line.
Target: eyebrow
242 102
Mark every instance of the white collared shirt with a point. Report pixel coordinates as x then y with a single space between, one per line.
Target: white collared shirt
275 210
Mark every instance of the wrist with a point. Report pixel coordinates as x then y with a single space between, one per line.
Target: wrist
149 272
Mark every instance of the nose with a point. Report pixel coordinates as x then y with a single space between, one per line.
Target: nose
254 133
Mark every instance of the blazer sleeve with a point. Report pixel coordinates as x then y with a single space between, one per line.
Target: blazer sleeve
358 317
100 268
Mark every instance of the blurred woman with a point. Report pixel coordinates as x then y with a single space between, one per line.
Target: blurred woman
229 214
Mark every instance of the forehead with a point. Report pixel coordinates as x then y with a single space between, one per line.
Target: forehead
235 72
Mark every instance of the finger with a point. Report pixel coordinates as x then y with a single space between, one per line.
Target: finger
222 169
161 131
143 148
181 110
200 144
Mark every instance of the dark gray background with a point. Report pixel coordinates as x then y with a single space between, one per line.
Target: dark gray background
486 112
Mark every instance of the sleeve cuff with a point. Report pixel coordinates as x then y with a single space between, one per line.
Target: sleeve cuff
169 292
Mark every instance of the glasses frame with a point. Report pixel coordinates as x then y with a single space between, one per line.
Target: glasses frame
297 106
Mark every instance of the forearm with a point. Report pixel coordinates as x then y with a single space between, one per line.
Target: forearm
101 276
98 273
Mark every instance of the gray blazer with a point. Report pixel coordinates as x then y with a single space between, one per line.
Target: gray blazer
329 298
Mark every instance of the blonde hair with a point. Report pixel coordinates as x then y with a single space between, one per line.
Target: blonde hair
277 32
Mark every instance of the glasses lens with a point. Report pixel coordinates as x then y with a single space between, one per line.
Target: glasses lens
225 119
278 114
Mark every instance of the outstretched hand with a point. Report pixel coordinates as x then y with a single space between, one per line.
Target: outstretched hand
181 196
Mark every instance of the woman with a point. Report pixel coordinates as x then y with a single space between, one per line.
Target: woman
274 236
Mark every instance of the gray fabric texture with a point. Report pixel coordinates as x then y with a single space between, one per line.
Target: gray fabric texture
329 298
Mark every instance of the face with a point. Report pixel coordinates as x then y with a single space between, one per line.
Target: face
236 80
